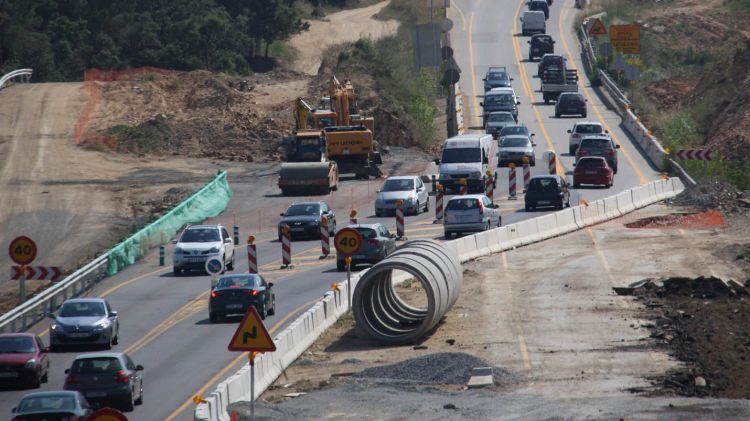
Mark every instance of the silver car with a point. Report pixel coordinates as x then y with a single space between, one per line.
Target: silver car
198 243
88 321
408 188
514 148
377 244
470 213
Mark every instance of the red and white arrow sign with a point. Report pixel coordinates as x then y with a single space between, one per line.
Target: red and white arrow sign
39 273
695 154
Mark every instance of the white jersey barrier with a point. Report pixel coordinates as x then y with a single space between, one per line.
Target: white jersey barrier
296 338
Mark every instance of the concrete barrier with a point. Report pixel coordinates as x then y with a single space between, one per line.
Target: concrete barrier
301 333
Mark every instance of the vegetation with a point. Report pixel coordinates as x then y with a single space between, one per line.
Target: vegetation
60 38
404 90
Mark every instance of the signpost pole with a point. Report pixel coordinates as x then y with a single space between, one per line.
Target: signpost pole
22 286
349 281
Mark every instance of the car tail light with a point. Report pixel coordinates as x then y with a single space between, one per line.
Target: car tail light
122 377
374 242
215 294
71 379
576 136
581 152
481 207
610 152
253 292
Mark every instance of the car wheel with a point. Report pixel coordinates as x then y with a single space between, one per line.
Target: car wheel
129 403
427 206
224 260
36 380
448 235
139 401
488 226
213 317
45 376
378 214
230 265
116 339
176 272
557 115
576 185
417 208
263 312
571 150
333 229
527 208
614 170
583 115
272 311
533 162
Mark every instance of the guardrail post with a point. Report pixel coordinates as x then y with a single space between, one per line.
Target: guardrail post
161 255
236 235
434 183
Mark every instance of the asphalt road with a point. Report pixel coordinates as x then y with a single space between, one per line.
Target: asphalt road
164 322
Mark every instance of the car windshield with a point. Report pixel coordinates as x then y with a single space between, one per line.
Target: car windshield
553 60
49 403
497 76
588 128
463 204
542 184
17 345
498 100
508 130
248 281
542 39
96 365
84 309
500 117
596 144
303 209
309 141
514 142
459 155
591 163
398 185
200 235
570 98
367 233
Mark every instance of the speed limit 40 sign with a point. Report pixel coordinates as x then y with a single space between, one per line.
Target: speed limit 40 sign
22 250
348 241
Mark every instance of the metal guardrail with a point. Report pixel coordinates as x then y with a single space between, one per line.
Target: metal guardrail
49 300
25 73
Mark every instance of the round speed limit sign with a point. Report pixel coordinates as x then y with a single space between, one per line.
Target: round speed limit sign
22 250
348 241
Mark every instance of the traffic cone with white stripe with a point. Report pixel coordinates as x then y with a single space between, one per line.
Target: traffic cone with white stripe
439 203
325 243
286 248
512 181
252 255
400 219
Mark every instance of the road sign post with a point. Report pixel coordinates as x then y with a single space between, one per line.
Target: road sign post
22 250
512 181
400 219
348 241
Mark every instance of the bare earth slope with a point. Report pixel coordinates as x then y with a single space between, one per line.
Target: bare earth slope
340 27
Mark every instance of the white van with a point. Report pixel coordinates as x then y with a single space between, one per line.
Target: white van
467 156
533 22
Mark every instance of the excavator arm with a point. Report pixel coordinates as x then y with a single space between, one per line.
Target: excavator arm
302 112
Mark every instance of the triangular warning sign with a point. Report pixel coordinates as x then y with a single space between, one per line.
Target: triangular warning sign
251 334
597 28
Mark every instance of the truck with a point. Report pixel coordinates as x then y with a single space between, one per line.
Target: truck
469 157
557 79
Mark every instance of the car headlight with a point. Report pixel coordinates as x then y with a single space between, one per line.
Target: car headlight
55 327
214 250
178 250
475 174
102 326
30 363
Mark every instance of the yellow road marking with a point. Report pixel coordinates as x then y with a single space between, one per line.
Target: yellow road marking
530 92
630 160
460 12
505 260
234 362
524 353
194 306
434 227
475 101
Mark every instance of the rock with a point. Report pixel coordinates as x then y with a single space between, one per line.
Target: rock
700 382
449 406
450 341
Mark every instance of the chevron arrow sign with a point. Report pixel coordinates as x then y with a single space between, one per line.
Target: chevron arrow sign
695 154
39 273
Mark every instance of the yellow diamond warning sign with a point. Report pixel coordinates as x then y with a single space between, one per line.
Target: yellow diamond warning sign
251 334
597 28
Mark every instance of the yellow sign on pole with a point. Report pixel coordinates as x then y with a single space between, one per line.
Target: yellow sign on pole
251 334
626 38
597 28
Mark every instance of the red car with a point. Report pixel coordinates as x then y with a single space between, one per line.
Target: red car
593 170
23 359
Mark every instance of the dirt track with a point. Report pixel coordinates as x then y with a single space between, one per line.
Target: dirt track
344 26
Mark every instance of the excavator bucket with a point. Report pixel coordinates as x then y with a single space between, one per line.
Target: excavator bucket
308 177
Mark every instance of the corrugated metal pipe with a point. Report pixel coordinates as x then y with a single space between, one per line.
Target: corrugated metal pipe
382 314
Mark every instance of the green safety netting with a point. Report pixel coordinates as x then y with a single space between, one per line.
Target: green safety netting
208 202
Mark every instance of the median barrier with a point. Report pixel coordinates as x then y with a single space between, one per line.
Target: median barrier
301 333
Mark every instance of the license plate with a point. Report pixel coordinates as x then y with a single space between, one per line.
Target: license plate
358 256
8 375
96 394
465 218
590 172
233 306
543 202
298 229
194 259
78 335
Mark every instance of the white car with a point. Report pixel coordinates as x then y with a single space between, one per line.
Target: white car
581 130
470 213
198 243
508 89
408 188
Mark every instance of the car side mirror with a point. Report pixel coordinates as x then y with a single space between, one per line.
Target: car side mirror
44 349
270 284
281 214
533 134
481 104
568 131
511 79
51 315
393 235
484 160
617 146
533 144
574 164
528 42
518 102
553 42
113 313
13 411
174 241
228 240
524 191
67 371
437 161
606 131
139 368
484 79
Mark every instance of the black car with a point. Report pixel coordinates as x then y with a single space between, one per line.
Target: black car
57 405
539 45
570 103
539 5
550 61
234 294
303 219
107 379
547 190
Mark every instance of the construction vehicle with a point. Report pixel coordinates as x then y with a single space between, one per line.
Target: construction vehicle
558 79
327 142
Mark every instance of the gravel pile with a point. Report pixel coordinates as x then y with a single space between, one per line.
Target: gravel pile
714 195
440 368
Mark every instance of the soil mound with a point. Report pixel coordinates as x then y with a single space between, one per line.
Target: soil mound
714 195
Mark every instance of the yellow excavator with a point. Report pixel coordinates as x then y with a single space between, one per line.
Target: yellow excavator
327 142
